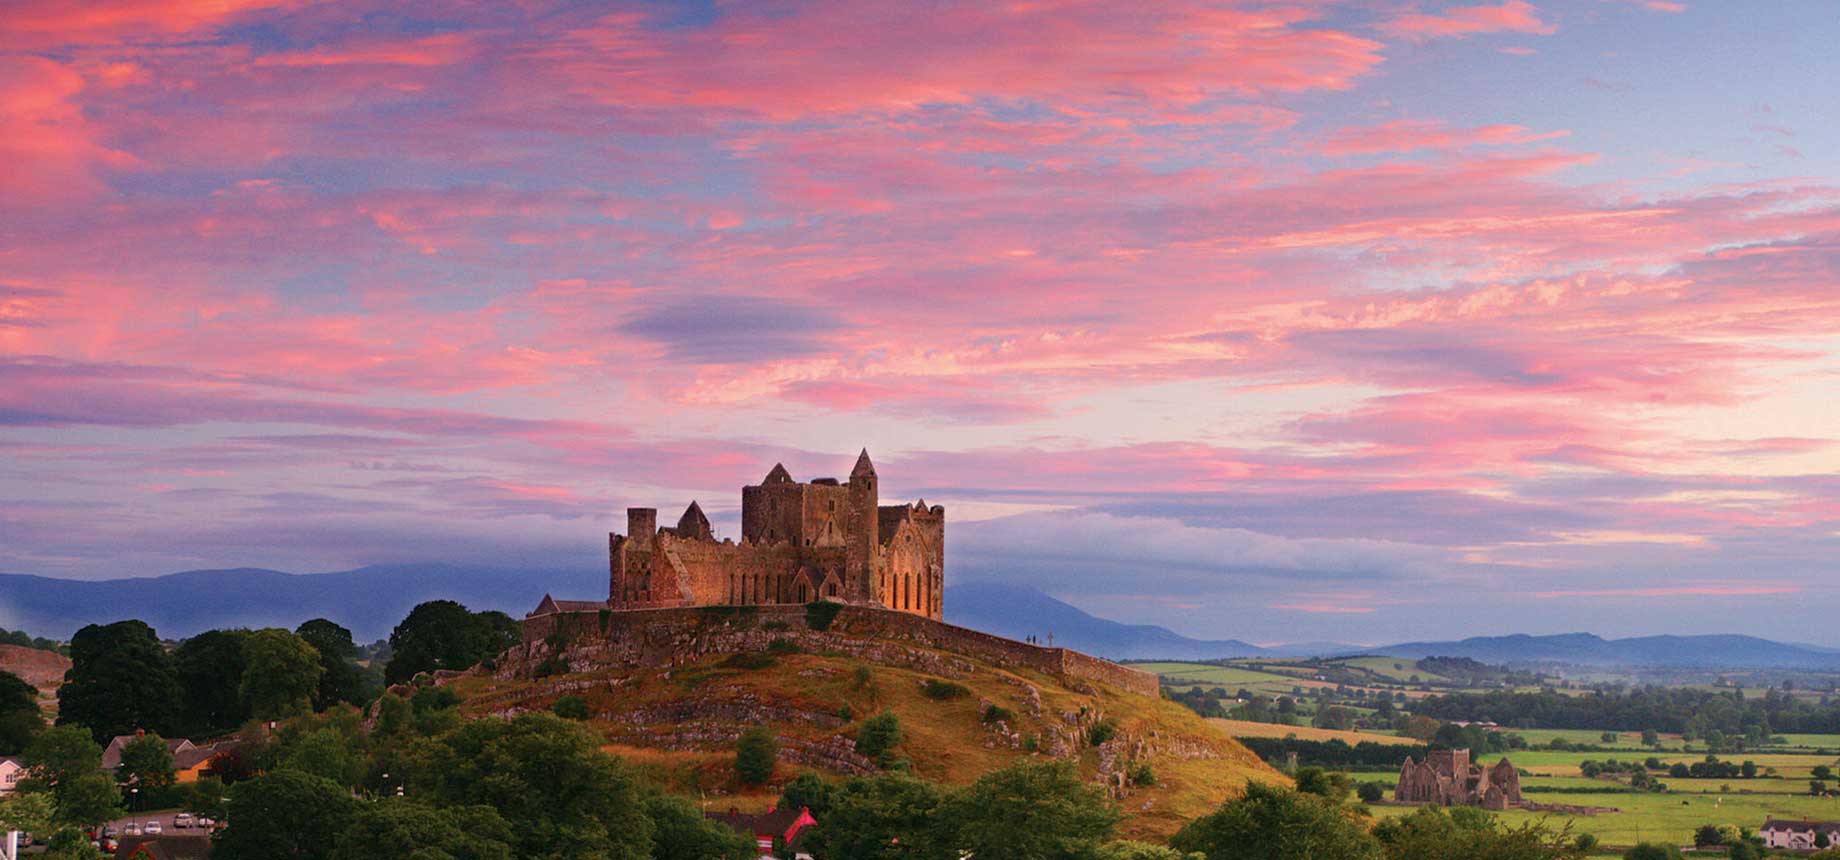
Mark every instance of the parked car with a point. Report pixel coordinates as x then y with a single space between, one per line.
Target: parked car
108 831
182 820
151 828
206 823
130 829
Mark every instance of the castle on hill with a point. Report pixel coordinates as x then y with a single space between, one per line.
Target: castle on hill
800 542
1446 778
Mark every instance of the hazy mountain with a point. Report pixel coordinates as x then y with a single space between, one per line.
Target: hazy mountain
1585 649
369 600
1016 612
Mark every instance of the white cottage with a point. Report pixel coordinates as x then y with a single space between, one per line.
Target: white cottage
1801 835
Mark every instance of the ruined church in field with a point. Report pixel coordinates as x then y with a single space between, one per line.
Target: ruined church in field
1446 778
800 542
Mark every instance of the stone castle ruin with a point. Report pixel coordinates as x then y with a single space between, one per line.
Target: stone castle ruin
800 542
1447 778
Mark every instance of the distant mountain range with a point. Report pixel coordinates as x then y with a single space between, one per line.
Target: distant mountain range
371 600
1585 649
1016 612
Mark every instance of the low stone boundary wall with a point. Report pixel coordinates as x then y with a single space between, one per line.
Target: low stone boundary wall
664 637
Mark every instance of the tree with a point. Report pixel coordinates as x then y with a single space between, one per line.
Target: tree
66 763
146 762
1270 823
210 668
885 817
1744 851
324 753
1333 717
546 774
281 674
1128 850
877 737
284 815
207 797
1652 851
120 679
1467 833
755 754
1028 812
442 634
1650 738
1333 785
809 791
342 680
1371 792
1421 728
571 707
20 719
397 829
681 832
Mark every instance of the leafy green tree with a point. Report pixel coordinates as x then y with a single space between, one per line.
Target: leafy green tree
1466 833
681 832
1029 812
1652 851
548 775
809 791
210 672
20 719
324 753
877 737
284 815
756 751
146 762
1744 851
120 679
207 797
394 714
1334 717
281 674
1270 823
886 817
343 680
1650 737
1128 850
1371 792
66 763
1333 785
442 634
571 708
398 829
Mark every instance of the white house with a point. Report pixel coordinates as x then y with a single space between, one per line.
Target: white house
10 773
1801 835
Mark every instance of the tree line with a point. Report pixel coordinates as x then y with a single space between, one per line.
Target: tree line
1694 713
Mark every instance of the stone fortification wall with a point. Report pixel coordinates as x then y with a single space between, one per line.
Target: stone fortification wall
668 637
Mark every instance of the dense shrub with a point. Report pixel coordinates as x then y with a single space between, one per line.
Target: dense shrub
820 614
942 691
571 707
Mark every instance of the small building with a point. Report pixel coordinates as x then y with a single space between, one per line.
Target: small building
781 825
190 760
11 771
164 848
1804 835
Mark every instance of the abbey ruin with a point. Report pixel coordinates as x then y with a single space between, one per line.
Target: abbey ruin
1446 778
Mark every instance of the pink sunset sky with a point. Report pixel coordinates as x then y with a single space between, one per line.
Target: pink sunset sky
1365 321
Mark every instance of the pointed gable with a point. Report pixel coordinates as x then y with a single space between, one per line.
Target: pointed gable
779 475
693 524
864 468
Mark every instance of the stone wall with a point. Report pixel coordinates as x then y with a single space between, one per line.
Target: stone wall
667 637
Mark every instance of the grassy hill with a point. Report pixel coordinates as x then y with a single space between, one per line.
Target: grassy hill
679 723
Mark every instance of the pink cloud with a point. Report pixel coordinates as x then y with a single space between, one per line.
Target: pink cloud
1408 135
1514 16
1729 590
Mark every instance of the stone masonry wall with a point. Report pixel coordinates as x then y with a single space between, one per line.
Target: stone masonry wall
664 637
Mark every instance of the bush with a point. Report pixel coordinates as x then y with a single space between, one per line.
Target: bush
571 708
862 677
942 691
750 660
1141 774
819 614
1652 851
846 713
1371 792
775 624
755 753
784 646
1102 731
995 713
433 699
878 736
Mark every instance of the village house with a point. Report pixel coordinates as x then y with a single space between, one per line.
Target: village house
1801 835
190 760
785 826
11 770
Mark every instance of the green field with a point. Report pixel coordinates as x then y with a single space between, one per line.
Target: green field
1230 677
1666 817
